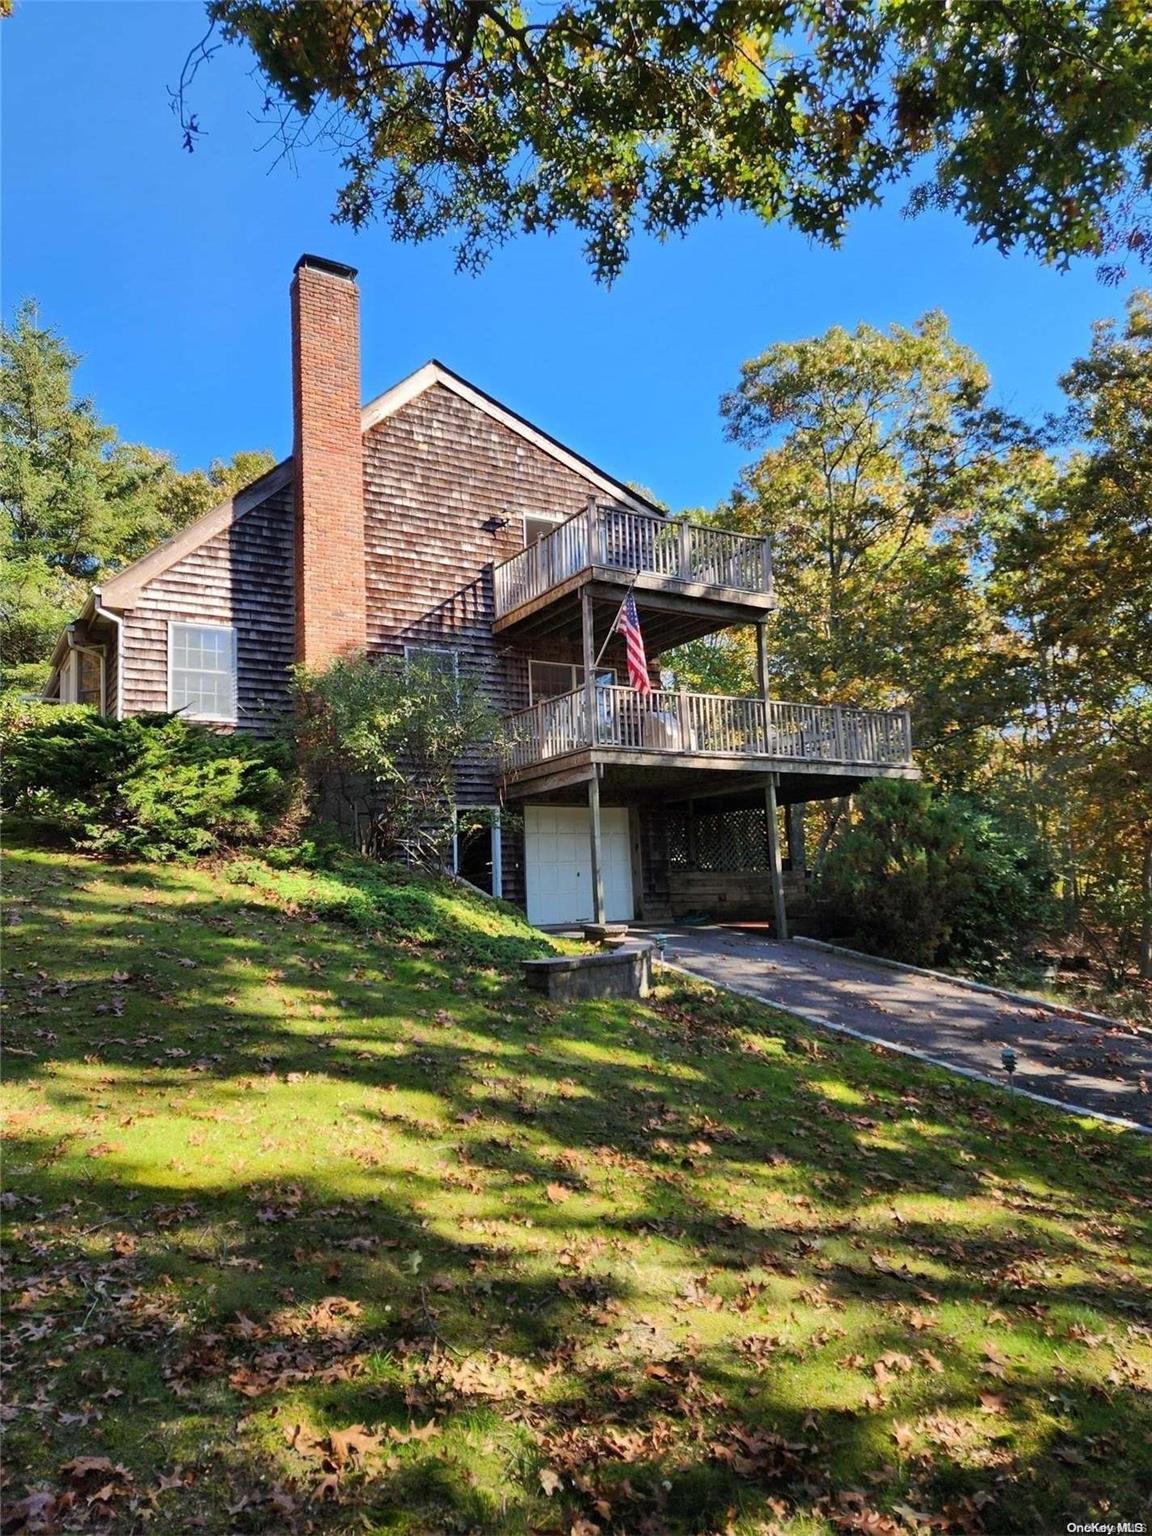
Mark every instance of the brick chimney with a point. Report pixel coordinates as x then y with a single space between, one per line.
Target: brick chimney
328 461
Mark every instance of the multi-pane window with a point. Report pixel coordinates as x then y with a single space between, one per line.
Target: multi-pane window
547 679
434 658
202 671
430 661
90 679
82 678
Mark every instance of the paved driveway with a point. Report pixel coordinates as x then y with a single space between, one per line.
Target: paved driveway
1079 1064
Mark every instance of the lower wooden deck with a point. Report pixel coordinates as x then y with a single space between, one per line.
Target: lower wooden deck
635 777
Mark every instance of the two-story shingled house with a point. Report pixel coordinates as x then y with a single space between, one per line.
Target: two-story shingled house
436 518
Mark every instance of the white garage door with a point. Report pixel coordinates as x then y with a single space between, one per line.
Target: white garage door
558 864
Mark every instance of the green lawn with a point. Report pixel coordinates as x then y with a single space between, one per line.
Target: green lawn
317 1221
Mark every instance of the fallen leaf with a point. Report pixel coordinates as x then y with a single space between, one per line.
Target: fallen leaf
81 1467
913 1517
357 1441
402 1437
550 1480
37 1512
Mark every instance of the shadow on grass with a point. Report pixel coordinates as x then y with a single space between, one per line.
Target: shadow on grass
652 1253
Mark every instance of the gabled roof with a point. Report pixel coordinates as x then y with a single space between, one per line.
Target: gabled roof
60 649
435 372
121 591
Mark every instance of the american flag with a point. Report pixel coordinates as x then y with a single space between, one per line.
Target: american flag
628 625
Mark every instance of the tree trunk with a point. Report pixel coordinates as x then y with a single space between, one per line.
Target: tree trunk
831 822
1070 883
1146 913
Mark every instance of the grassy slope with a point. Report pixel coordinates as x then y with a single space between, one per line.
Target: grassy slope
683 1267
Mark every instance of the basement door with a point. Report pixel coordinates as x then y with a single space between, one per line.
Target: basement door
558 864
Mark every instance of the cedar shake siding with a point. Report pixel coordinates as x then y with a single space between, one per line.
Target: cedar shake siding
107 637
242 576
434 472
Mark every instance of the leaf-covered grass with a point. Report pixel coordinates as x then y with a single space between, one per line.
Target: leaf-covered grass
323 1223
1127 999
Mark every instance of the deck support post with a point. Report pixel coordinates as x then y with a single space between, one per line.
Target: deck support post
774 863
766 565
588 635
592 519
597 859
762 680
684 551
774 858
795 828
762 659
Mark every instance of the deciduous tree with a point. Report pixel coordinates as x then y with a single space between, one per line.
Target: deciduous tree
486 117
1073 574
881 474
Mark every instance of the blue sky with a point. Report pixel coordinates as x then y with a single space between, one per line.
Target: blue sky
169 273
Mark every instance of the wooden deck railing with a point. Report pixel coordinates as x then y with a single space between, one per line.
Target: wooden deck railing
708 724
633 542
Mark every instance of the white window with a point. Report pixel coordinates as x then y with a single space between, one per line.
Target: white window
82 678
202 671
436 657
547 679
537 525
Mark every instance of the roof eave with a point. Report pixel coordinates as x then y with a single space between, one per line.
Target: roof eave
61 648
435 372
120 591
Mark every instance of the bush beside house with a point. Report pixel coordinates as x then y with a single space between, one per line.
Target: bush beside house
149 786
385 736
934 879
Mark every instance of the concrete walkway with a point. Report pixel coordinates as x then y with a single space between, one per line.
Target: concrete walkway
1109 1070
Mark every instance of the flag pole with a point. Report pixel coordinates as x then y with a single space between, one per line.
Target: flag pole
615 621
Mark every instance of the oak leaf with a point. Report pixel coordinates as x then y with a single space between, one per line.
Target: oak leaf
81 1467
402 1437
356 1441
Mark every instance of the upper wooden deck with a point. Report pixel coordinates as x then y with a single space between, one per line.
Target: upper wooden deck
694 578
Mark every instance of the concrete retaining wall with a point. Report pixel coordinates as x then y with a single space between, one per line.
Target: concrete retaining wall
577 978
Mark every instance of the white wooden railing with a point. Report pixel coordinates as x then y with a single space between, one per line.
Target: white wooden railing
708 724
633 542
